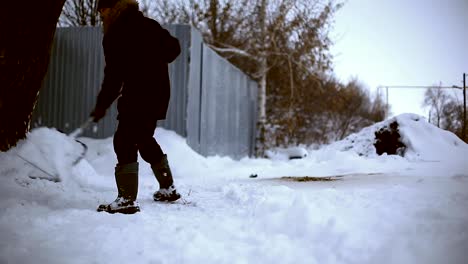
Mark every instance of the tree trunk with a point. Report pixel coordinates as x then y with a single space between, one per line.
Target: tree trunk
263 69
260 142
27 29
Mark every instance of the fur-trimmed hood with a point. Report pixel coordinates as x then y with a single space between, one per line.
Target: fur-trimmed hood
120 7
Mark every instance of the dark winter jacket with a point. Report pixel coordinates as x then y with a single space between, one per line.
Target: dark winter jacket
137 51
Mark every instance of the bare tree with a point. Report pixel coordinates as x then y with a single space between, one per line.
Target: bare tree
258 36
283 44
452 117
84 12
378 108
146 6
349 110
27 29
80 13
435 98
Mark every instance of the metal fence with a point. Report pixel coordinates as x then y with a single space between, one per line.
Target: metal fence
213 104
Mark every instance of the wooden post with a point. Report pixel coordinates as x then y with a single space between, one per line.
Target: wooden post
464 107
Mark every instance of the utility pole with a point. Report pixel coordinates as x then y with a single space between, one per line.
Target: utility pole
464 107
387 106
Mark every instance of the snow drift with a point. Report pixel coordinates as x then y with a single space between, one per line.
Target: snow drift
385 209
423 140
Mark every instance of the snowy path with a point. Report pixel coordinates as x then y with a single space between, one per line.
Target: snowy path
386 209
361 219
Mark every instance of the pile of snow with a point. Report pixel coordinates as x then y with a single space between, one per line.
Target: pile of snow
48 154
384 209
423 140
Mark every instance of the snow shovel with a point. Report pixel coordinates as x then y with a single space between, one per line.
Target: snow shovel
78 132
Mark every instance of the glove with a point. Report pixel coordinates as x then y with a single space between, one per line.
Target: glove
97 114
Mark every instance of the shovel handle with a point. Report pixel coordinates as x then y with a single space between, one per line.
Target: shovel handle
79 130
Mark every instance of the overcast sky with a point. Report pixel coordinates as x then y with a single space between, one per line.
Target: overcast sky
402 42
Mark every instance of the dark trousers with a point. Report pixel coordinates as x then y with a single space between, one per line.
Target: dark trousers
133 136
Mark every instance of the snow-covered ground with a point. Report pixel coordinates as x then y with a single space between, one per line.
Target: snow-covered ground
382 209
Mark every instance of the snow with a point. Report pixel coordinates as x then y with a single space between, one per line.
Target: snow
382 209
424 141
294 152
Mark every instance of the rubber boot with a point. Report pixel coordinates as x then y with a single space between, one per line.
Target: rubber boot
167 191
126 178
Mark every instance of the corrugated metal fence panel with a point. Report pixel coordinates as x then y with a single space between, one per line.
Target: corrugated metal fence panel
176 118
213 103
226 125
195 91
73 80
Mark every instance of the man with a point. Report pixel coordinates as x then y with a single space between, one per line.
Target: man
137 51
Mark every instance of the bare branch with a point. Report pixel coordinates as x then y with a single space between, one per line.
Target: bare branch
233 50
